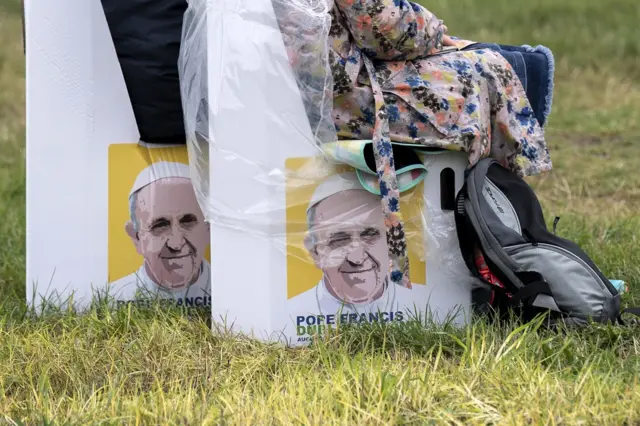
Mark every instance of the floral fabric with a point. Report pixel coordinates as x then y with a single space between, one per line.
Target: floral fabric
394 81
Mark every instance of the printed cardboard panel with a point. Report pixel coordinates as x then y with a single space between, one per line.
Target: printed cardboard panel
337 254
77 106
158 237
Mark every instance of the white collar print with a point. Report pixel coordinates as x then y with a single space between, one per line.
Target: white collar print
201 287
329 304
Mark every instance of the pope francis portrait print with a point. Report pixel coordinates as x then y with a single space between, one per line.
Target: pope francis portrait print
346 240
168 229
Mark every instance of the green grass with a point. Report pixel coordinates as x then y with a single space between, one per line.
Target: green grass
163 367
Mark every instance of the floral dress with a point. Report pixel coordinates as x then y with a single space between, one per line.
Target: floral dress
394 82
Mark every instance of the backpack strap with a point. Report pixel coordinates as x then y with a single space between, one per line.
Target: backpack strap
531 291
464 231
474 176
633 311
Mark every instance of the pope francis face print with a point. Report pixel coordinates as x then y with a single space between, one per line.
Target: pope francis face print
167 226
347 240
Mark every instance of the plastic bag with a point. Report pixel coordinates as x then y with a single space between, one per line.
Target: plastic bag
295 238
304 27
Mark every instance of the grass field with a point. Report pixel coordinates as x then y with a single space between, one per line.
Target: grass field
160 367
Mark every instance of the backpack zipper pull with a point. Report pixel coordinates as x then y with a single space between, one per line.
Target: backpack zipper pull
555 224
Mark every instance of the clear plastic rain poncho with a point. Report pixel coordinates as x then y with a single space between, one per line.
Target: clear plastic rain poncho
257 94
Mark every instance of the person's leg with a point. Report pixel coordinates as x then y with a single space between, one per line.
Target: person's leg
474 95
517 139
497 118
512 54
535 68
539 65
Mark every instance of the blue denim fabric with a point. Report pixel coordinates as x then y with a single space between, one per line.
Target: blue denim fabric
535 68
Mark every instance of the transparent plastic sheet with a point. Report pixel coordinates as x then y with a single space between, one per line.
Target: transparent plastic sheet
192 68
309 225
304 26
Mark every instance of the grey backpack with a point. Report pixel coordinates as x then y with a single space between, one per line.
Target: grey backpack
523 267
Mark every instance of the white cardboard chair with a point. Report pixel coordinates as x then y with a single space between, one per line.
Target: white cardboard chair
83 158
250 271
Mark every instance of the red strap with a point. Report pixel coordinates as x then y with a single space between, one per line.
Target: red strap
486 274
